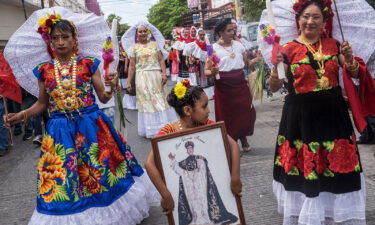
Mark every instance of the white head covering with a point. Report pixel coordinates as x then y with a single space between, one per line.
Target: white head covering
26 48
194 28
128 39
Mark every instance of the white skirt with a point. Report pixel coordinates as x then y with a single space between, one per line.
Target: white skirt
130 209
149 124
210 91
326 209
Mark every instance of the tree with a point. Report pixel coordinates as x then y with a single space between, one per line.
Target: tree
121 28
253 9
167 14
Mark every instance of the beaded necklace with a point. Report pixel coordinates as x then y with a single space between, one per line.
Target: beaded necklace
67 97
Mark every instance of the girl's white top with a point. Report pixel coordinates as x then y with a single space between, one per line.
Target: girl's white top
227 63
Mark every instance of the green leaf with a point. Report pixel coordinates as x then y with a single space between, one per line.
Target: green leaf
298 144
61 194
305 60
280 140
293 67
60 151
76 197
70 175
79 162
103 189
111 179
70 150
328 145
277 161
357 168
93 152
294 171
102 171
86 193
314 146
328 173
312 176
121 170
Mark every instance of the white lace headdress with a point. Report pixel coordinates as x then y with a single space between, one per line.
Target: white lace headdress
26 48
129 38
357 19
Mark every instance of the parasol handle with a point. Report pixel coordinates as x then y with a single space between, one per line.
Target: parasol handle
271 18
338 19
6 113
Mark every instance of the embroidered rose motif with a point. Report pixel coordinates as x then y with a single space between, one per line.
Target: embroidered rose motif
343 157
305 160
287 156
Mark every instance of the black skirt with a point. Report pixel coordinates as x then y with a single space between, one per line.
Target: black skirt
316 150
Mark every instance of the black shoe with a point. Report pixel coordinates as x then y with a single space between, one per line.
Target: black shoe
27 137
3 152
17 132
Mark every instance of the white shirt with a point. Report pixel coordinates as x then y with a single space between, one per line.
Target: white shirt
228 63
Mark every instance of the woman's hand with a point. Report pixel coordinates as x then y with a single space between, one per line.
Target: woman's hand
164 79
12 118
128 86
167 203
279 58
111 80
236 186
347 51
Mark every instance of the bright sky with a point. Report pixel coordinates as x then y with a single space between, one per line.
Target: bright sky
131 11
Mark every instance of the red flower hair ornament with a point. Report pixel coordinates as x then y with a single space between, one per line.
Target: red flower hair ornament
327 4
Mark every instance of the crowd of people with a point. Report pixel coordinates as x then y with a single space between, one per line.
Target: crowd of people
87 171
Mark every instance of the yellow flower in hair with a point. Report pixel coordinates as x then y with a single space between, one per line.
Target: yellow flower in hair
180 90
42 21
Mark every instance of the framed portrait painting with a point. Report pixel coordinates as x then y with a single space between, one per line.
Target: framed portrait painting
195 166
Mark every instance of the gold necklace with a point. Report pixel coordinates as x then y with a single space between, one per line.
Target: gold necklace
232 55
67 96
319 58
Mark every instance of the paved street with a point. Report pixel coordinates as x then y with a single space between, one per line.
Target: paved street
18 173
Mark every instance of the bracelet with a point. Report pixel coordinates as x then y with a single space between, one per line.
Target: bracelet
352 67
24 114
108 94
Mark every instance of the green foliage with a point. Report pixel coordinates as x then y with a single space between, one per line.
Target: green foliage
60 151
167 14
61 194
121 28
94 151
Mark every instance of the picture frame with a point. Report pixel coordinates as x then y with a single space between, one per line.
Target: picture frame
195 165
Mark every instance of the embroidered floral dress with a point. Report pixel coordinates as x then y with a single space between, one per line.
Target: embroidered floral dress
153 109
317 164
86 169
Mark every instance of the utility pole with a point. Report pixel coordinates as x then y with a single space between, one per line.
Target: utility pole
200 13
238 8
42 3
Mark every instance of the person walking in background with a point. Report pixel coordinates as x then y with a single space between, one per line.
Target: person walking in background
4 132
145 46
233 101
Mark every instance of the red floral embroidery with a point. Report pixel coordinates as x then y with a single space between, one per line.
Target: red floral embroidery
295 52
305 160
305 78
108 147
332 71
320 159
79 140
329 46
343 157
287 156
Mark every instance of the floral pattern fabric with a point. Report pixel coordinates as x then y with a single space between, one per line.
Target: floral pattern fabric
146 56
86 67
305 71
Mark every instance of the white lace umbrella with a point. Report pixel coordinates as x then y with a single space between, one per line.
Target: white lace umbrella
357 21
26 48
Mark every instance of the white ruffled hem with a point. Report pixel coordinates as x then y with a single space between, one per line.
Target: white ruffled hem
327 208
129 102
130 209
188 49
149 124
198 53
178 45
210 91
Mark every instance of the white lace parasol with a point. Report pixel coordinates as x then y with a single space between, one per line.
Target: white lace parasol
26 48
357 19
128 39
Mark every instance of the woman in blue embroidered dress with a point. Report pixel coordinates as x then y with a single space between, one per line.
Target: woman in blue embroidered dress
86 172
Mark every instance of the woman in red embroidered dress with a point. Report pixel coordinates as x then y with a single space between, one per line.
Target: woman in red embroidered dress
191 104
317 173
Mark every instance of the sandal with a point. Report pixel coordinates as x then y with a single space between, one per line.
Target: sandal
246 147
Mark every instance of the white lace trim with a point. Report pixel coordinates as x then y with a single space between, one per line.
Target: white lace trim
327 208
129 102
178 45
26 48
149 124
130 209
